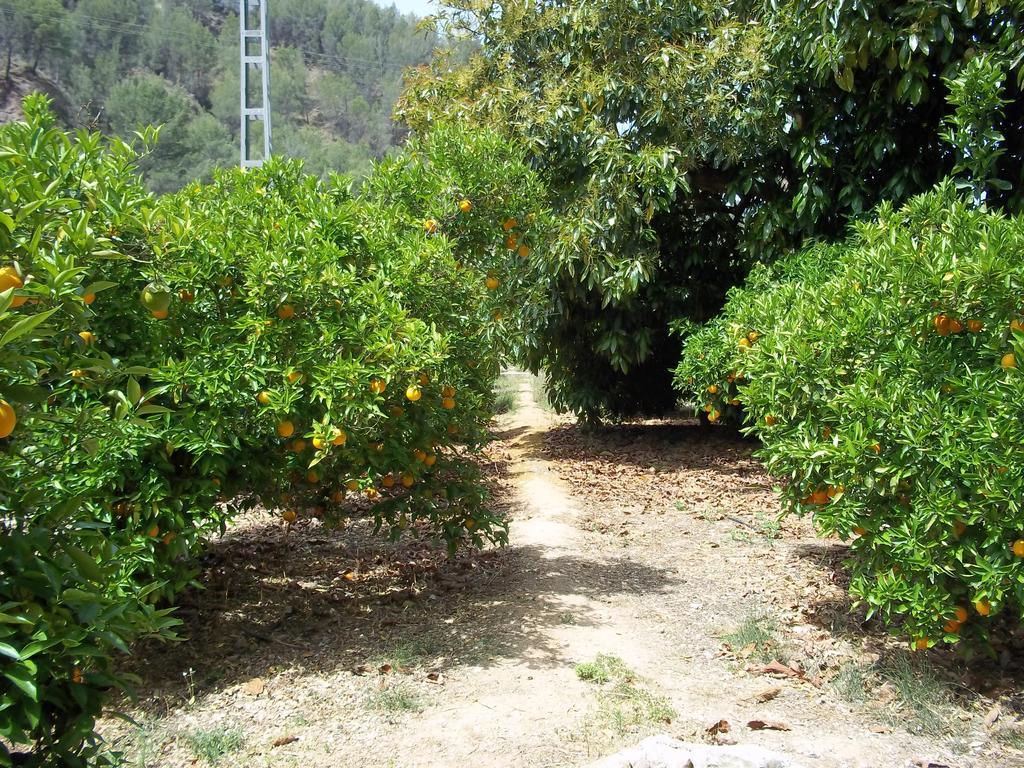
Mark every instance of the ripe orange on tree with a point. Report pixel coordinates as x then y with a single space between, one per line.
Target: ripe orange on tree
974 326
388 481
352 485
1016 326
941 323
509 224
448 403
263 398
407 480
8 419
377 386
160 314
983 607
340 438
9 279
285 428
89 298
430 459
423 379
448 392
492 283
294 376
88 337
1018 547
430 226
465 206
413 393
1008 361
961 614
286 311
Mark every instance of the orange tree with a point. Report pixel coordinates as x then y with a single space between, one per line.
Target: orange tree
884 381
266 340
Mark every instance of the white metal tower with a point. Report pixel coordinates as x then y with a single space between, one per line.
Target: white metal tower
255 80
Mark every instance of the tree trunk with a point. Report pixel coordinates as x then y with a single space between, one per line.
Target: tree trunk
7 69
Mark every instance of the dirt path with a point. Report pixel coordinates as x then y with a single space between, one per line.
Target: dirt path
640 547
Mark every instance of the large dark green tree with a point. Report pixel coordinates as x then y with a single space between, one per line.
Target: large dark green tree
683 141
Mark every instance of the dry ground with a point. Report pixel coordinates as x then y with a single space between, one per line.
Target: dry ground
648 588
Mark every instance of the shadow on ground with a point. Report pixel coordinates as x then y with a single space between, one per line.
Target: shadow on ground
326 600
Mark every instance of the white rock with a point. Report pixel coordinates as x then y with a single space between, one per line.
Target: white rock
666 752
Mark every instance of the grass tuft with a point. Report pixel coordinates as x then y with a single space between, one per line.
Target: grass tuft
758 632
395 699
213 744
603 669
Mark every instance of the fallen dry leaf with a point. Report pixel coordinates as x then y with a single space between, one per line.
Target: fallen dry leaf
384 669
993 715
254 687
722 726
435 677
880 729
767 725
764 696
362 669
284 740
778 668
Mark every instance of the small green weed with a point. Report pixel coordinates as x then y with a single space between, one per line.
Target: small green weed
213 744
925 701
851 683
396 699
603 669
758 634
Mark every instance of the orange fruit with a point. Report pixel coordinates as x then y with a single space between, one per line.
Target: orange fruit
961 614
299 445
974 326
186 295
448 403
492 283
388 481
745 343
377 386
8 418
955 326
9 279
430 226
169 537
952 627
714 415
420 455
76 676
453 429
983 607
397 411
378 447
294 376
876 447
959 526
448 392
713 389
423 379
860 531
263 398
511 242
1008 361
88 337
921 644
820 496
340 438
286 311
372 493
465 206
770 420
159 314
941 323
337 497
413 394
407 480
78 373
498 316
289 516
285 428
1017 325
89 298
352 485
312 477
1018 547
154 531
753 336
509 224
430 460
524 251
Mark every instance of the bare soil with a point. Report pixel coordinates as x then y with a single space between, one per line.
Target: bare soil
655 543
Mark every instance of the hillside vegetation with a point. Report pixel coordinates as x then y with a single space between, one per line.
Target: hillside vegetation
118 65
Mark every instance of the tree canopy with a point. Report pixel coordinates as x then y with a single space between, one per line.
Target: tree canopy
683 142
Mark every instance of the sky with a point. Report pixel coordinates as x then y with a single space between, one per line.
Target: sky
419 7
